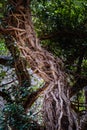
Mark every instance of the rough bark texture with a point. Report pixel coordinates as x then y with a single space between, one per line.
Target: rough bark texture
57 112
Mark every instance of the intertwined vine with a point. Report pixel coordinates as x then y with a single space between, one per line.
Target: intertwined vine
57 111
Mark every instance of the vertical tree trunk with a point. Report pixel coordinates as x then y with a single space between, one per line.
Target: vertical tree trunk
58 113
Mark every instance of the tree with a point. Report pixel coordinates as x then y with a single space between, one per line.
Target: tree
19 37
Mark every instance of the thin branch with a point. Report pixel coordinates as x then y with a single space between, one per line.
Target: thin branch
8 83
32 97
56 34
83 124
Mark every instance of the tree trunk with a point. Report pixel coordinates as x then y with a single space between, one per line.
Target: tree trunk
57 112
83 122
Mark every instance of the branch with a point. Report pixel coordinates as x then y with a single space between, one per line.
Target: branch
6 61
8 83
65 33
20 63
79 85
5 96
33 97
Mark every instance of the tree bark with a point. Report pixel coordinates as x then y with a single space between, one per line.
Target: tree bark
57 111
83 122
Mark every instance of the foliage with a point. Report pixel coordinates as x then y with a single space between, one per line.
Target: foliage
53 16
3 49
13 113
84 67
14 116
